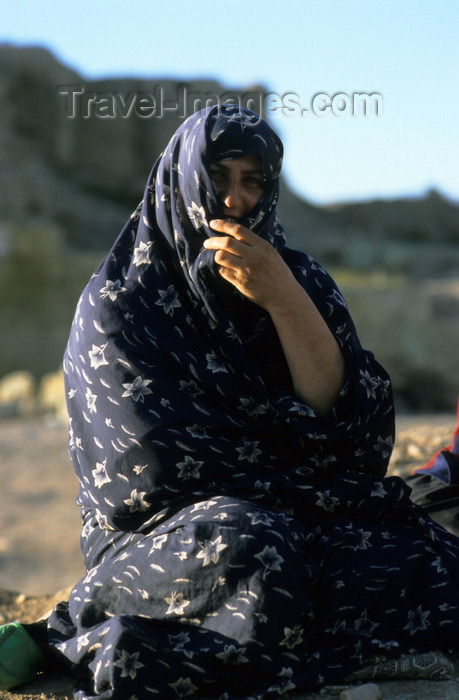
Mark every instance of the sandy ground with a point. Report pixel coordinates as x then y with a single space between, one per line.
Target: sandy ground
39 535
39 520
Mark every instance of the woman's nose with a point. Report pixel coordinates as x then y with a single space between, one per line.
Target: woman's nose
232 196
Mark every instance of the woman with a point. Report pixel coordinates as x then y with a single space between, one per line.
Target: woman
231 437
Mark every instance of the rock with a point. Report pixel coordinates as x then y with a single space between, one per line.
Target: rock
20 397
369 691
51 396
72 164
406 324
17 394
40 282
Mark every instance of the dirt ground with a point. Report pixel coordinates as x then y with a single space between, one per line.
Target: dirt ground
39 520
39 536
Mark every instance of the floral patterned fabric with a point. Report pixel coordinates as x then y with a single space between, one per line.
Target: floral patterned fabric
237 543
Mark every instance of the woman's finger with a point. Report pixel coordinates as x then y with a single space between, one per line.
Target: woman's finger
224 243
241 233
225 259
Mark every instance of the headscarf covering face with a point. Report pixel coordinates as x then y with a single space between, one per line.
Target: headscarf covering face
181 198
163 373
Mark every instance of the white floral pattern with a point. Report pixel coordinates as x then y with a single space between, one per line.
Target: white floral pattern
210 550
197 215
112 290
137 390
168 299
128 663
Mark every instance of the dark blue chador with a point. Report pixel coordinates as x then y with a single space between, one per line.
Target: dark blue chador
238 544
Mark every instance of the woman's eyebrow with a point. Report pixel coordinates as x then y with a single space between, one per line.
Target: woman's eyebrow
246 171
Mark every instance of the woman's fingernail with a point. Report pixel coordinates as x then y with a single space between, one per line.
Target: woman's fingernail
214 222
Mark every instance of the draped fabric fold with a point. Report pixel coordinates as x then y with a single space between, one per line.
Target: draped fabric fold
237 542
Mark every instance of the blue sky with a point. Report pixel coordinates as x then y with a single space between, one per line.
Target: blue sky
406 51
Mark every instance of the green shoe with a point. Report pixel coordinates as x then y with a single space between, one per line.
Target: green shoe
20 656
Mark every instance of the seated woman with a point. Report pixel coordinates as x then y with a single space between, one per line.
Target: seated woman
231 438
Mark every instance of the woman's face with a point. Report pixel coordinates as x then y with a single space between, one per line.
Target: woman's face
239 183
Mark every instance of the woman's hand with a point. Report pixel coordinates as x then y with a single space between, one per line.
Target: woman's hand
251 264
257 270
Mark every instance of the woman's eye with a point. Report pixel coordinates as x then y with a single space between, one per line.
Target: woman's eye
254 182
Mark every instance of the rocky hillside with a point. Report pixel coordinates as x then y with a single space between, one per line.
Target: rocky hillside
74 158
